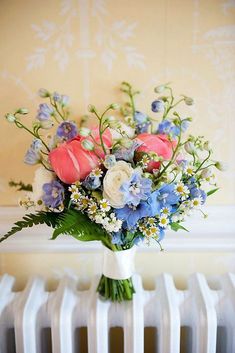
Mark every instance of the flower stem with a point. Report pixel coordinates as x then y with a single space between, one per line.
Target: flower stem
21 126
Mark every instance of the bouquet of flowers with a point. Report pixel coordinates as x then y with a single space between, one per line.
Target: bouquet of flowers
117 181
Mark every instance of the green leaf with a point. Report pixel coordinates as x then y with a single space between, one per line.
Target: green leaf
176 226
211 192
29 220
79 226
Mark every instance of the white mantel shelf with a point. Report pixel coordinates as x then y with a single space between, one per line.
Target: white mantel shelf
216 233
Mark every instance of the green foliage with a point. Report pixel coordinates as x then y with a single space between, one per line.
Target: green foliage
211 192
176 226
49 218
20 186
79 226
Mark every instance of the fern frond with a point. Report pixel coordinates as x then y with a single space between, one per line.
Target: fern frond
49 218
20 185
79 226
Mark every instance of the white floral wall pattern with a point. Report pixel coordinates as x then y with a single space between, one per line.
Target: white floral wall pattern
85 48
57 39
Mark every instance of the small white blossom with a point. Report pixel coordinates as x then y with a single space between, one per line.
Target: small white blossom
104 205
196 202
182 190
97 172
75 196
163 221
189 170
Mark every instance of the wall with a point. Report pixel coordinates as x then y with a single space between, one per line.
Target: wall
85 48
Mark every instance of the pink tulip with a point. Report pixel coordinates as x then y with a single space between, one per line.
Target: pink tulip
159 144
71 162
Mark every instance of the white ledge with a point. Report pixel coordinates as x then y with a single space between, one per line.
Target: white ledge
216 233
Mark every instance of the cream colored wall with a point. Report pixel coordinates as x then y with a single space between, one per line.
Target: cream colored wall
85 48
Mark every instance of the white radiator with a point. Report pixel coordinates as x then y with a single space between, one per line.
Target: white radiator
37 321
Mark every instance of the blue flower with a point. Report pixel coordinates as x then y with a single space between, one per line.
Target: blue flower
127 154
157 106
166 196
130 215
67 130
44 112
117 238
36 144
191 183
194 192
92 182
164 127
110 161
56 97
136 189
53 194
140 118
141 128
168 128
33 156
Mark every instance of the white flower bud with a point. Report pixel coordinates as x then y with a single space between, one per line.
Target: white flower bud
87 145
43 93
159 89
114 106
10 118
221 166
189 100
23 111
206 173
189 147
91 108
207 146
84 131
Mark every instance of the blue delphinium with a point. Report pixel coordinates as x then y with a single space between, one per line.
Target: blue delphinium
136 189
60 98
140 117
157 106
169 128
44 112
67 130
142 122
92 182
166 196
53 194
127 154
33 155
164 127
130 215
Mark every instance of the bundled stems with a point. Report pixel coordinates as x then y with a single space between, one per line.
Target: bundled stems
115 290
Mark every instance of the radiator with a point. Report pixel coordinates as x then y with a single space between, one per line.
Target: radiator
197 320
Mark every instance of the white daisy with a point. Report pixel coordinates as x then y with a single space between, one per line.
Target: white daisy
182 190
104 205
75 196
97 172
163 221
196 202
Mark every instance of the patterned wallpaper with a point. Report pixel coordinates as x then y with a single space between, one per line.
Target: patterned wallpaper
84 48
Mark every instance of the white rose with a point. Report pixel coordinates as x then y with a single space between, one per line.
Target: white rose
124 127
113 180
41 176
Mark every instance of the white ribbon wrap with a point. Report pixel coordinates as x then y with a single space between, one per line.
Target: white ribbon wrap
119 264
